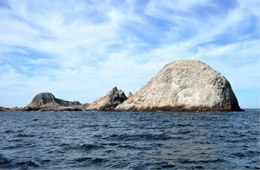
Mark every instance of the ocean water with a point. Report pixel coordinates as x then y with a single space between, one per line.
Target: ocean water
127 140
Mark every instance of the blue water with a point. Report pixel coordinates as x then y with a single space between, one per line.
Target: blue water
126 140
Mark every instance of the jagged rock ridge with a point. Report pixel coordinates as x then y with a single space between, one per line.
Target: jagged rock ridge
184 85
107 103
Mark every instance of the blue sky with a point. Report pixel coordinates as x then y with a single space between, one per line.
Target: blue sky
80 49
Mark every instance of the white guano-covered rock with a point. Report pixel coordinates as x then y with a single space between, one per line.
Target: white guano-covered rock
184 85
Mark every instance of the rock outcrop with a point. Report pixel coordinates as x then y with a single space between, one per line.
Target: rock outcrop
42 99
107 103
130 94
184 85
48 102
4 109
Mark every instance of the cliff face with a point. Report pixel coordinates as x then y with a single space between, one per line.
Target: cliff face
107 103
185 85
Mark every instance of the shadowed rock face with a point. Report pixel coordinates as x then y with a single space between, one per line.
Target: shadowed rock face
48 102
47 98
4 109
185 85
107 103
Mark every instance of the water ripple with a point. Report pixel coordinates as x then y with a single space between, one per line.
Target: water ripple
128 140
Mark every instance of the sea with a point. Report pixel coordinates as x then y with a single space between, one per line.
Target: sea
130 140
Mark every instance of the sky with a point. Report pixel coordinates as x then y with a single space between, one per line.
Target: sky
80 49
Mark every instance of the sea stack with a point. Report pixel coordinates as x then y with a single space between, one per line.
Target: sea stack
184 85
108 103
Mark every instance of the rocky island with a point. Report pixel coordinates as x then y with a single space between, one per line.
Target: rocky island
48 102
184 85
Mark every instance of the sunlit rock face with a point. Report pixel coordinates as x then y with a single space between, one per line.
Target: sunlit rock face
107 103
184 85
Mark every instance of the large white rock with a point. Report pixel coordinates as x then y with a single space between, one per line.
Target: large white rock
184 85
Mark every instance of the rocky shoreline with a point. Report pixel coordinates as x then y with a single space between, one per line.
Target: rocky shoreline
184 85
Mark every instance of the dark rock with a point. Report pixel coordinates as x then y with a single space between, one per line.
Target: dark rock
46 98
4 109
48 102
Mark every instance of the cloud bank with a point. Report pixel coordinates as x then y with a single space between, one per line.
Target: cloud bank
80 49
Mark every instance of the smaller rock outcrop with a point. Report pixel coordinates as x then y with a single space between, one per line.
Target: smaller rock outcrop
4 109
107 103
46 98
48 102
13 109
